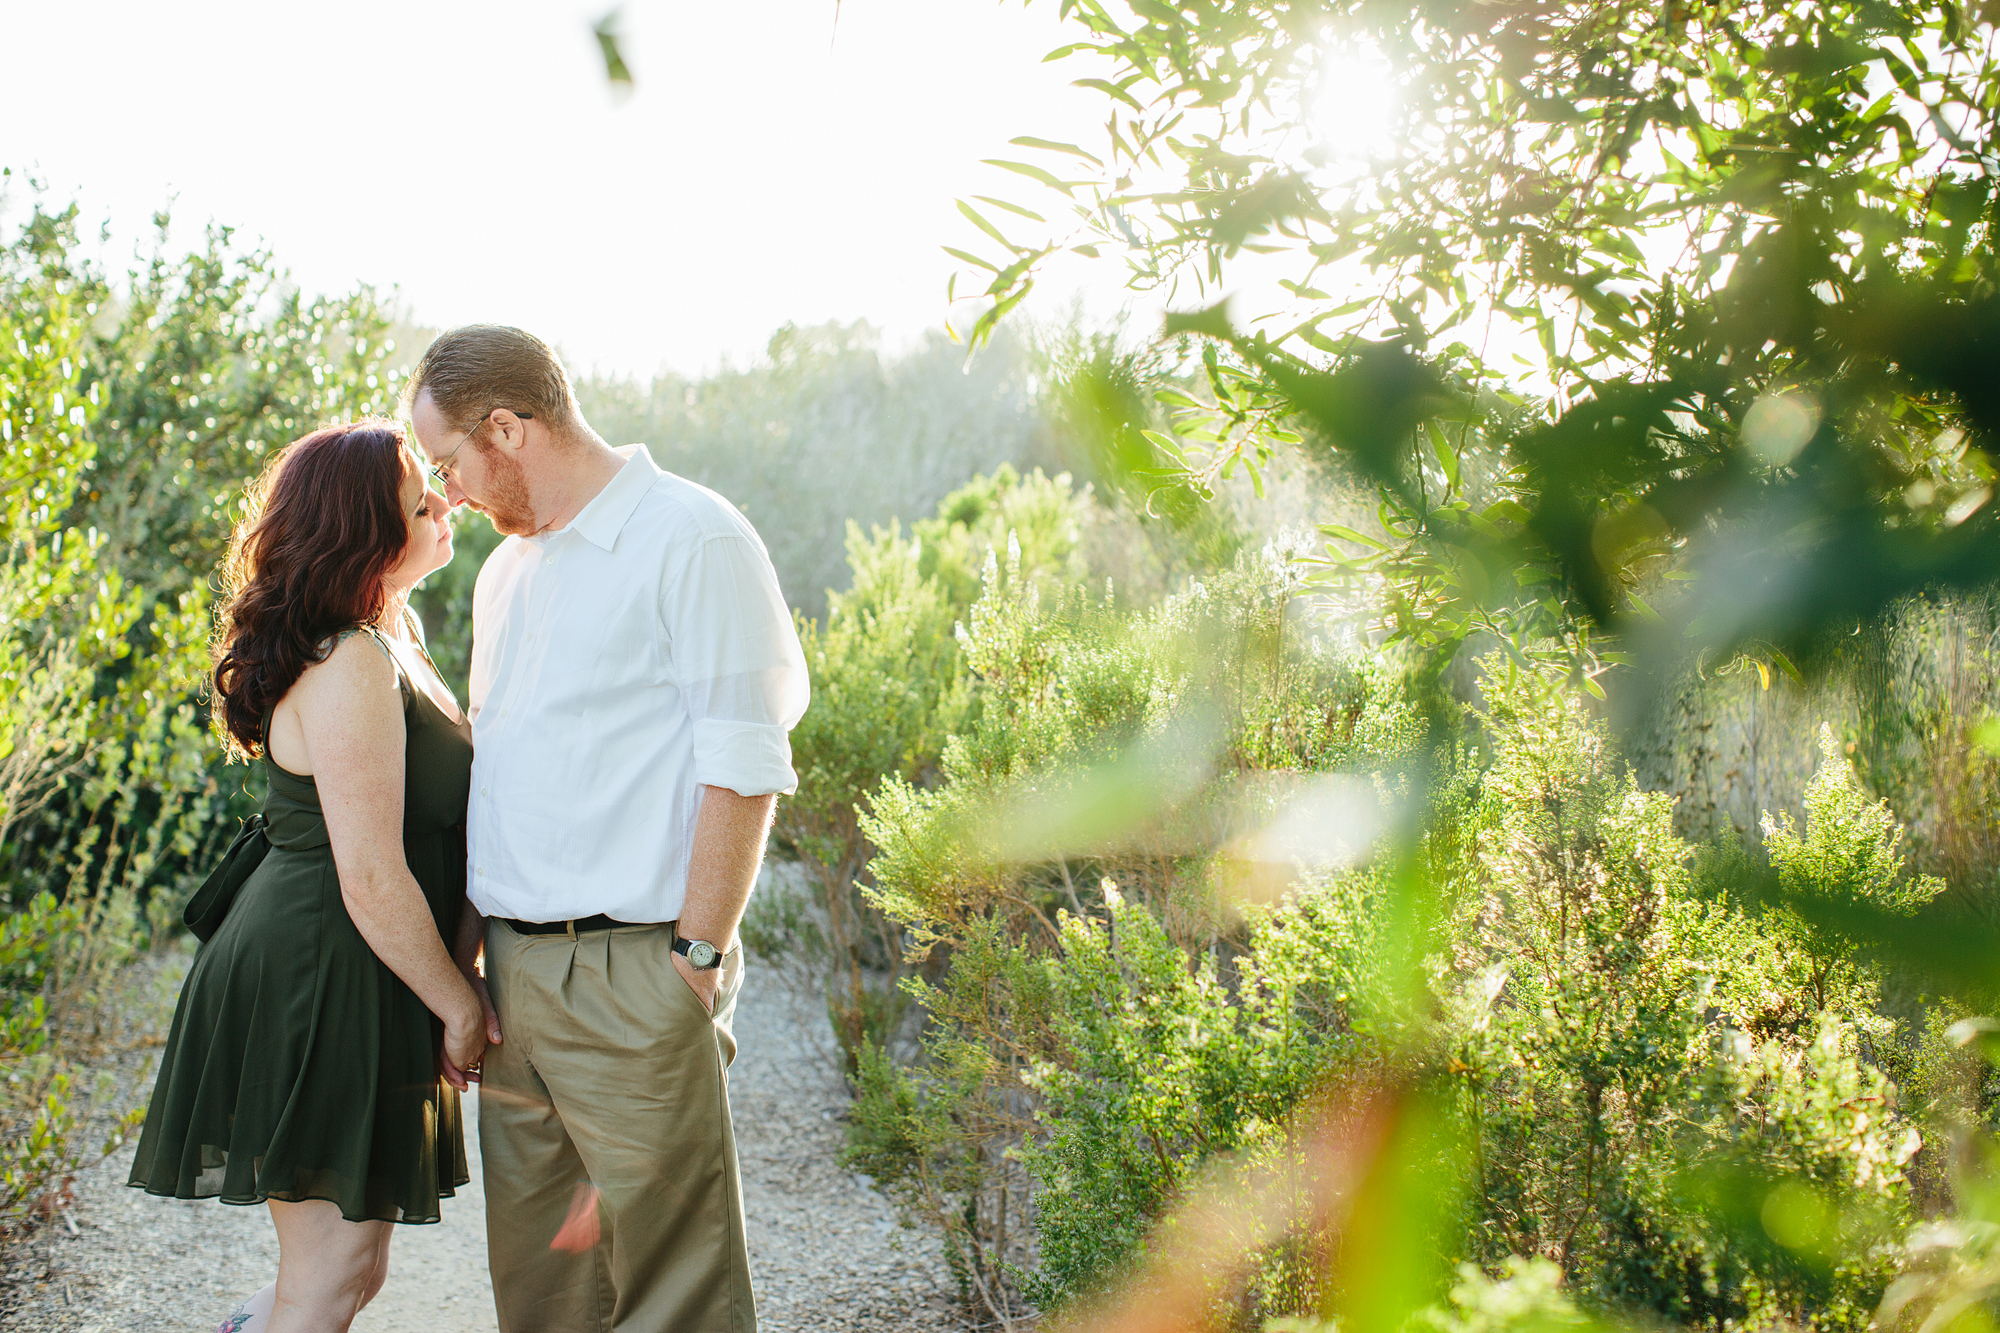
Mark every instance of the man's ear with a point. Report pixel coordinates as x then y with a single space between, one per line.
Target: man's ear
511 430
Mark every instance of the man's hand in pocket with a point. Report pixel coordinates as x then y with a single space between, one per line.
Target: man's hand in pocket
705 984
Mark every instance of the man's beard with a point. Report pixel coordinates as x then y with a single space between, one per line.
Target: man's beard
506 504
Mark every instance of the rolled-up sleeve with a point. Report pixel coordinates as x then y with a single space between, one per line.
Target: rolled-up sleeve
735 655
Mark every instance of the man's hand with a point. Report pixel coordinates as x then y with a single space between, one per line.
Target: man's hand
706 985
466 951
486 1006
722 866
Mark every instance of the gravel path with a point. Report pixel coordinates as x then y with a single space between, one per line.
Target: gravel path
826 1252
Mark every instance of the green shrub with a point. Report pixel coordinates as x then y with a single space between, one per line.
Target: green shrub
1102 747
64 624
58 964
1599 1025
888 689
1851 850
1528 1297
1161 1065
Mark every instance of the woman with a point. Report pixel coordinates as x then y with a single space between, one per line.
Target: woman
323 1033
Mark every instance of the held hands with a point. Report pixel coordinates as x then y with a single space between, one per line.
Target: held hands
464 1048
467 1036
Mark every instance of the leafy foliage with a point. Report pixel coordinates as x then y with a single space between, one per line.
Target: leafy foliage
1655 333
1593 1020
1014 865
888 689
1613 1099
1612 290
1850 850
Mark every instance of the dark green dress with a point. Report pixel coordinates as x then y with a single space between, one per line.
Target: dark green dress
300 1066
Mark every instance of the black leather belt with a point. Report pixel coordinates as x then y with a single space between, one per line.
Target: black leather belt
569 928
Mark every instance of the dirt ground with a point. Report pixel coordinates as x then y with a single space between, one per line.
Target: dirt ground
826 1251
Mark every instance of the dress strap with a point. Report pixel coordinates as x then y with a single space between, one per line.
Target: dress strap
403 681
417 637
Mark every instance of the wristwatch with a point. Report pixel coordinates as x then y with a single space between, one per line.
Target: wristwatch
701 955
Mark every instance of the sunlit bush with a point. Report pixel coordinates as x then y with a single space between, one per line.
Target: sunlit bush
1012 862
888 690
1113 1024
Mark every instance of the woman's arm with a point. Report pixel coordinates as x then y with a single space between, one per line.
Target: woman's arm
350 709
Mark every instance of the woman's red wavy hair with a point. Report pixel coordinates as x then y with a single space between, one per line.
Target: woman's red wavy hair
325 525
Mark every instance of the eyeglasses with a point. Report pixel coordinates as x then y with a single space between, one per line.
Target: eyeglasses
438 470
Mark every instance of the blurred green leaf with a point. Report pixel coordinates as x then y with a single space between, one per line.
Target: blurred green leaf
606 30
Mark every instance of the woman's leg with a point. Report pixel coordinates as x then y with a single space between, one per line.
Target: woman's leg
328 1267
380 1274
254 1315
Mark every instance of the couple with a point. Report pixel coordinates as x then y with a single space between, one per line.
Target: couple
592 822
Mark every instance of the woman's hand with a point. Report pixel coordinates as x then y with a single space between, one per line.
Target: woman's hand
464 1046
455 1073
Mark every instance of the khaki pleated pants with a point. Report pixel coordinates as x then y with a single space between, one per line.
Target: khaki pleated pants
613 1200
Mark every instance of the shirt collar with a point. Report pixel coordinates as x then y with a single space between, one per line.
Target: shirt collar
604 517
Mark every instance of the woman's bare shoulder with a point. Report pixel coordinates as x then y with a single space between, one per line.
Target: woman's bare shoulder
357 663
349 694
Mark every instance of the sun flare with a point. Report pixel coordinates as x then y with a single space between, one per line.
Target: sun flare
1354 103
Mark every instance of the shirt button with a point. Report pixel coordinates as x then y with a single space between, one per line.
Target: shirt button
503 712
482 872
482 791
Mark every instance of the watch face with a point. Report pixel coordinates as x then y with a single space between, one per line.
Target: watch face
701 954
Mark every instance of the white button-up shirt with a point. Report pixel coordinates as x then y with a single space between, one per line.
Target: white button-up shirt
619 665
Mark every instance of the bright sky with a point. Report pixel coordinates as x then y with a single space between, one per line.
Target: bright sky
472 155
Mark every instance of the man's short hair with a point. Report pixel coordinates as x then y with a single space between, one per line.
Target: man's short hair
470 371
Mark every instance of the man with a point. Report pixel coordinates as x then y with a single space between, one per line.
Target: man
634 677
